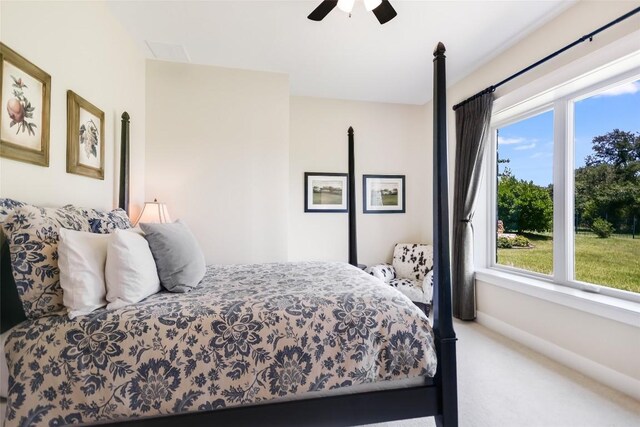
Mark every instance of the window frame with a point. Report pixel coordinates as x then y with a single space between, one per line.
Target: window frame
563 107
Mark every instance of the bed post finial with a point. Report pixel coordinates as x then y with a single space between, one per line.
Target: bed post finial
351 193
446 377
123 196
440 49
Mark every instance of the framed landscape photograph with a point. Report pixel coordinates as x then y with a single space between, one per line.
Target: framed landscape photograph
383 193
25 101
85 137
325 192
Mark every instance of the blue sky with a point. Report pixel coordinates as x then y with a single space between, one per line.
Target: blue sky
529 144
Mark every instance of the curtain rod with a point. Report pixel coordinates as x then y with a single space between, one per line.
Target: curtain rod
546 58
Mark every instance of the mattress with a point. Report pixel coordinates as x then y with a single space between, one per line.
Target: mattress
248 334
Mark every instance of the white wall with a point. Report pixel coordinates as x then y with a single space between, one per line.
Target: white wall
84 49
218 155
389 139
603 343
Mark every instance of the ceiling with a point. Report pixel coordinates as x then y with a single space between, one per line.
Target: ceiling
340 57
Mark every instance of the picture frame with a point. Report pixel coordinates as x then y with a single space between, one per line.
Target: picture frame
384 194
85 137
25 109
325 192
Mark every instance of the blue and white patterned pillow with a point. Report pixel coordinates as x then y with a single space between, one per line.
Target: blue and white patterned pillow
32 234
103 222
7 206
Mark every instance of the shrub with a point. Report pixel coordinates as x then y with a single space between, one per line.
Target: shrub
512 242
520 242
602 228
504 243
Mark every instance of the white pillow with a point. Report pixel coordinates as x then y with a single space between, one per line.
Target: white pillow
130 272
82 257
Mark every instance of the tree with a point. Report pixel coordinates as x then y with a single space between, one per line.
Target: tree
506 171
617 148
523 205
608 186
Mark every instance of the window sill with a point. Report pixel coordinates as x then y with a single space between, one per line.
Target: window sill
623 311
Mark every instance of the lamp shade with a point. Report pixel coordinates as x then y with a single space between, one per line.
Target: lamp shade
154 212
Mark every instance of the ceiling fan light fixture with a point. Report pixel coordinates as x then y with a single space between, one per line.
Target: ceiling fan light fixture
346 5
371 4
382 9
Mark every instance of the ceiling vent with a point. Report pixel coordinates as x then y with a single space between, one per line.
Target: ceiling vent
168 52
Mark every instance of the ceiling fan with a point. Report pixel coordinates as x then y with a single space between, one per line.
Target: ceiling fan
381 8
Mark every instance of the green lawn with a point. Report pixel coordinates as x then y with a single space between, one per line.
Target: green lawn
613 262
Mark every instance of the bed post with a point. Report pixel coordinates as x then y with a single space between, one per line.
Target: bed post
123 196
446 377
353 246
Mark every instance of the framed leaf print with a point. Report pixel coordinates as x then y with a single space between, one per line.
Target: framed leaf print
85 137
25 101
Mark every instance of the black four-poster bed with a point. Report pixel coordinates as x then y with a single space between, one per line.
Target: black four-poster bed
437 397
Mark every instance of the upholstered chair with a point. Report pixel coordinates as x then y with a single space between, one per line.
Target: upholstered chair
411 272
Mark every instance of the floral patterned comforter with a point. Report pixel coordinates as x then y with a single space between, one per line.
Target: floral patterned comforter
248 334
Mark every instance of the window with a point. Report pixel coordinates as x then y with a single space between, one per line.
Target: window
607 187
524 194
566 198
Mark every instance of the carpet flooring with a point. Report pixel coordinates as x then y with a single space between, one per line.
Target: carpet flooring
504 384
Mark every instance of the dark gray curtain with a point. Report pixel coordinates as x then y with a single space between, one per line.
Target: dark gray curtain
472 128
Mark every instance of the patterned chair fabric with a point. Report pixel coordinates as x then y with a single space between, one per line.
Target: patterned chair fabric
411 272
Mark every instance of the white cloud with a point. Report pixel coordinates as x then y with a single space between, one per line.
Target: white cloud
509 141
525 147
626 89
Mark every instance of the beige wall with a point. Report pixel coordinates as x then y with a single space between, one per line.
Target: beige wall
227 151
389 139
608 343
218 155
85 50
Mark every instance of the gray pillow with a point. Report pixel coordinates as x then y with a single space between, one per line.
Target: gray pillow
179 260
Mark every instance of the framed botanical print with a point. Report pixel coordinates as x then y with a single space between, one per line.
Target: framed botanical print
85 137
325 192
25 101
383 193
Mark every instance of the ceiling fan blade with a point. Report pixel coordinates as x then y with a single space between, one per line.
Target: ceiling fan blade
385 12
323 10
